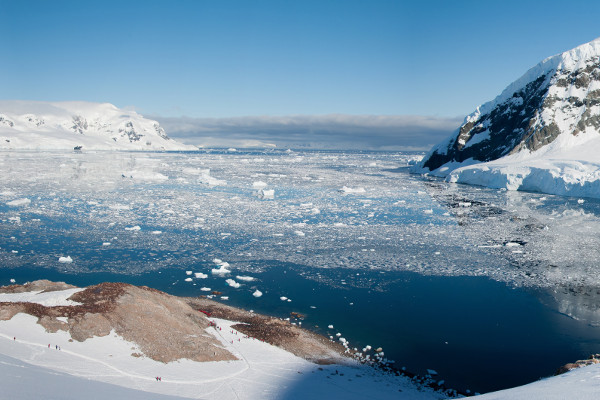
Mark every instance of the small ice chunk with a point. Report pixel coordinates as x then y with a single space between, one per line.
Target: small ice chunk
106 244
430 211
205 289
232 283
257 293
188 279
12 281
348 190
156 232
19 202
224 297
259 185
133 228
65 260
512 244
188 272
200 275
266 194
283 298
245 278
330 326
220 271
299 233
580 201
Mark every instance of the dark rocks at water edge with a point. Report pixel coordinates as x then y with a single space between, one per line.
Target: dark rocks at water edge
593 359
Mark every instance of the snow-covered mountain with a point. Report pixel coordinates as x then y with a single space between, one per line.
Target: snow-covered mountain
541 133
65 125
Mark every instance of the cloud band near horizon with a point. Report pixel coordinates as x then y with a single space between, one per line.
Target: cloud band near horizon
332 131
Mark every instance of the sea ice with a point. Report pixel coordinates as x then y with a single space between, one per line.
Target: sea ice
257 293
232 283
19 202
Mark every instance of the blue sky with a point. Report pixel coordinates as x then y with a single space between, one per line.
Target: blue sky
223 59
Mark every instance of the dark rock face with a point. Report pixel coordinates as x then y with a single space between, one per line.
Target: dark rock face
562 98
507 128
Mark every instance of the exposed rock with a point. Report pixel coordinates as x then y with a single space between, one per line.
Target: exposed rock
593 359
277 332
165 328
41 285
559 96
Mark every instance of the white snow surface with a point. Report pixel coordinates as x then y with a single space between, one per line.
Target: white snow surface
104 367
562 168
36 125
48 299
582 384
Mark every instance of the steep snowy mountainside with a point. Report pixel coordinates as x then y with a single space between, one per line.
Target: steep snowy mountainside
65 125
558 98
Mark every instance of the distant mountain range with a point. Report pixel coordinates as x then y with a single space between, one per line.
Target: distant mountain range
542 133
68 125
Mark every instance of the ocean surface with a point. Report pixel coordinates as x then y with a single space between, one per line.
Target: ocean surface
489 288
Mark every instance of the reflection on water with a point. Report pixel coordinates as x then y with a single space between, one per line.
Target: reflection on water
442 276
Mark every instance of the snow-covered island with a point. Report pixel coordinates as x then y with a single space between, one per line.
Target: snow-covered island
542 133
36 125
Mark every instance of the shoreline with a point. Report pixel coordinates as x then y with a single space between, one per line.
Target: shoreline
167 333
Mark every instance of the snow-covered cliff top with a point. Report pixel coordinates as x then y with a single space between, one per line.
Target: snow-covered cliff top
65 125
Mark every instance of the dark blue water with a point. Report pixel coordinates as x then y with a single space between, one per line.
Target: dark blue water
476 333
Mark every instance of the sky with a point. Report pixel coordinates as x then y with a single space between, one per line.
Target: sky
226 64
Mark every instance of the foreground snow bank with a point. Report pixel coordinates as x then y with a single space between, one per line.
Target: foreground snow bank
262 371
582 383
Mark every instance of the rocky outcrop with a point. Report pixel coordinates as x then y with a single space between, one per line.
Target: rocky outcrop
559 96
165 328
593 359
280 333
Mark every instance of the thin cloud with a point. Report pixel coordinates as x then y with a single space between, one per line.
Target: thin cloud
333 131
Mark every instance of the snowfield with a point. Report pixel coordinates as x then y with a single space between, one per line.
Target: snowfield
36 125
50 365
38 364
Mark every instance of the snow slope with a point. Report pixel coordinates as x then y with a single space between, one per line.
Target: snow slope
51 365
581 384
542 133
64 125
